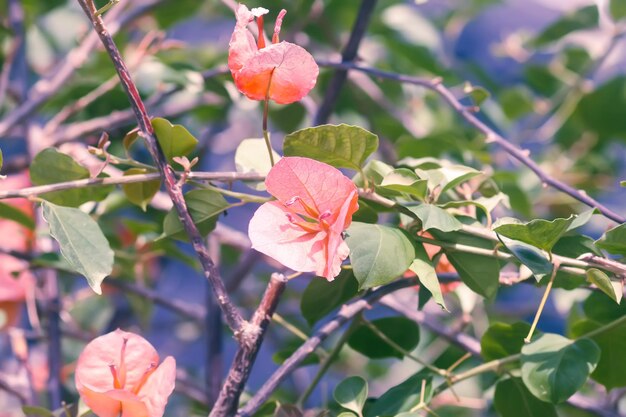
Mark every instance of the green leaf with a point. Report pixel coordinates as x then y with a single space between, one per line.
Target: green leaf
342 146
375 171
582 218
405 181
512 399
611 369
1 159
175 140
477 93
403 396
502 339
31 410
613 289
423 268
204 207
584 18
140 193
351 393
433 217
622 183
10 212
378 254
614 240
50 166
446 177
486 204
480 273
400 330
617 8
81 241
530 256
540 233
554 367
251 157
321 297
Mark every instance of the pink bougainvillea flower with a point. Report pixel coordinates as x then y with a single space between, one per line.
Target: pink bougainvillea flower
15 279
282 71
303 229
118 374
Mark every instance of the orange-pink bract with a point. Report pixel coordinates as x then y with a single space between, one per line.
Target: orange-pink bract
303 229
118 374
282 71
15 278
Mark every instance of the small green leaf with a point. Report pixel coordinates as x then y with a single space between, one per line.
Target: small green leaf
342 146
486 204
251 157
530 256
321 297
622 183
446 177
584 18
1 159
477 93
140 193
554 367
402 331
81 241
31 410
582 218
351 393
502 339
50 166
175 140
423 268
617 8
614 240
378 254
403 396
540 233
204 207
512 399
10 212
613 289
405 181
433 217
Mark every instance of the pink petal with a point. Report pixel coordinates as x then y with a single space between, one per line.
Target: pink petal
316 183
131 405
14 288
92 368
158 387
337 249
242 46
294 73
273 234
101 404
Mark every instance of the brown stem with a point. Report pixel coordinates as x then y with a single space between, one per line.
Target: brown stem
491 136
228 399
231 314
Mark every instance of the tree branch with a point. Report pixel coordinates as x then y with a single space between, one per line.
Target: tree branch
348 55
231 314
129 179
239 373
491 136
46 87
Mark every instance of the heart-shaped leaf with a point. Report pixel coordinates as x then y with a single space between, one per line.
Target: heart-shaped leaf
175 140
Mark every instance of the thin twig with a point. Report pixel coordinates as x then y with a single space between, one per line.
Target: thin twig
348 55
213 367
231 314
46 87
491 135
129 179
228 399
